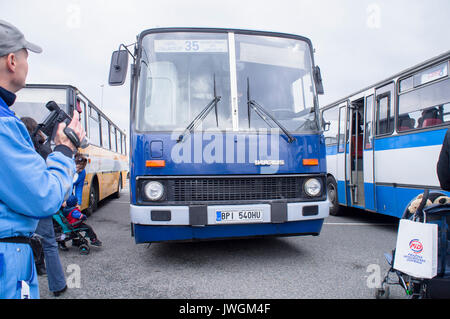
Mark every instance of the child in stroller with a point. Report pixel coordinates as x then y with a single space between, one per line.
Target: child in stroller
436 212
71 226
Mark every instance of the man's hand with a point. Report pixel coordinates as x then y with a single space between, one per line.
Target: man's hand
75 125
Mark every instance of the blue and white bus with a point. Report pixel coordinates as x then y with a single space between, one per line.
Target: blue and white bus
225 136
383 142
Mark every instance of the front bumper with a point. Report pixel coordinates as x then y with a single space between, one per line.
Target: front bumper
205 215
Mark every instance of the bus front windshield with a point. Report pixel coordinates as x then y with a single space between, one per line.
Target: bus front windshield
181 73
30 102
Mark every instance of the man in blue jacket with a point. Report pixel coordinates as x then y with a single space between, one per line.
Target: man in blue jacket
30 187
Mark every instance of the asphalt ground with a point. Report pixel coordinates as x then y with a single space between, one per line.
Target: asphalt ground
345 262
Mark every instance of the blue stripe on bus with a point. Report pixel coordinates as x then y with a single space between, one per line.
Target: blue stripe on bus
146 233
341 192
390 200
393 201
416 139
369 197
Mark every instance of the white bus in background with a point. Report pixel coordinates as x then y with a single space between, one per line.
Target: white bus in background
383 142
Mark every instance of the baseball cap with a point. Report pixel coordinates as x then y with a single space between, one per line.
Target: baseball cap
12 40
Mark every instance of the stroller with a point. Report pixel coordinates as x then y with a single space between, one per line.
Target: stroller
420 288
64 231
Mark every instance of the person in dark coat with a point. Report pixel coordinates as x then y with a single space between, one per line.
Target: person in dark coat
443 165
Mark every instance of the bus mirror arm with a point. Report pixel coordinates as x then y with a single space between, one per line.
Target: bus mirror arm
318 80
119 66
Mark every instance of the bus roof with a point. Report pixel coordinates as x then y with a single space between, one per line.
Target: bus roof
421 65
224 30
68 86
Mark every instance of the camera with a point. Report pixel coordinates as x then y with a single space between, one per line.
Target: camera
51 122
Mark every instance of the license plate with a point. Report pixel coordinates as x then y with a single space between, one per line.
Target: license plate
241 216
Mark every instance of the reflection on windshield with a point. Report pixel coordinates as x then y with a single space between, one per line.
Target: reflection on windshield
279 71
177 81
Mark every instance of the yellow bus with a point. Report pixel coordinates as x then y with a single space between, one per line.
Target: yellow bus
107 159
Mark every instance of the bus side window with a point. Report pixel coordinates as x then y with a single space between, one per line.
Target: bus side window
331 116
385 119
427 103
113 139
124 144
94 128
119 142
368 140
105 133
81 105
341 136
446 112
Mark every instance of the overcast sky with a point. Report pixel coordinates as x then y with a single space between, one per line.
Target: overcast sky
357 42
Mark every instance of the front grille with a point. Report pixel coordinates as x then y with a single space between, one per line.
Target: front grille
188 190
236 189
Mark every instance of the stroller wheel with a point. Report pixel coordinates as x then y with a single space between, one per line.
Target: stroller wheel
84 249
417 291
383 293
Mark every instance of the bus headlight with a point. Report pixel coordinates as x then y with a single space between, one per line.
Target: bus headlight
154 190
312 187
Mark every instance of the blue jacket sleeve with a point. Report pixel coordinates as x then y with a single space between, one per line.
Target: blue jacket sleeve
78 215
30 186
78 185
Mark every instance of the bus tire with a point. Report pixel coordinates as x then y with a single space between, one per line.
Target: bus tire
93 199
335 209
119 187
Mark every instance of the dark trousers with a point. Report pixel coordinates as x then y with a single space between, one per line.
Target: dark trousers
89 231
56 277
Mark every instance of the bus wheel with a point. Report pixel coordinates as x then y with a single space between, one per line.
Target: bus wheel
93 200
335 209
119 187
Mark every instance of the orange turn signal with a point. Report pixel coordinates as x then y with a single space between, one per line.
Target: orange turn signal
310 162
155 163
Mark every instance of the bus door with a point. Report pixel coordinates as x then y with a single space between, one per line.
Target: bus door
80 107
368 155
384 127
341 166
355 151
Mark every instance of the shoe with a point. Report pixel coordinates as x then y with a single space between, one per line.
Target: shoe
62 246
96 242
60 292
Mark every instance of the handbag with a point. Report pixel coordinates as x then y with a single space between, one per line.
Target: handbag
416 250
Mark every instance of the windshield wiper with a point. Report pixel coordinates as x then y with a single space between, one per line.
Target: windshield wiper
203 114
264 114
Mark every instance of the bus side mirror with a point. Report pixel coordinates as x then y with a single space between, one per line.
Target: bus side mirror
119 67
318 80
326 126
